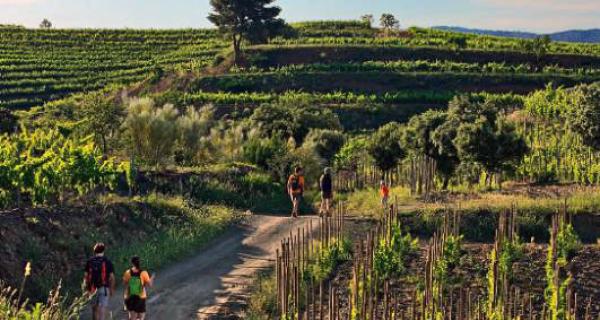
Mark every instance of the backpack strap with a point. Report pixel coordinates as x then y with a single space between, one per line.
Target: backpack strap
89 278
104 282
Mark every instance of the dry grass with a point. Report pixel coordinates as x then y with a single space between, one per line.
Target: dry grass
581 201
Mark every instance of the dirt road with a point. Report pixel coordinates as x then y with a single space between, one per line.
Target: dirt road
216 279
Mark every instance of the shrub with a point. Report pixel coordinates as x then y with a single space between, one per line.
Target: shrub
325 143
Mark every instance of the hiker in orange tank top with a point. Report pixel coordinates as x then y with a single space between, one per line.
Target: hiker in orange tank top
136 281
384 191
295 188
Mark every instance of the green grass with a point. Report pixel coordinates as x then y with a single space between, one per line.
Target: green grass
56 308
367 202
190 229
262 304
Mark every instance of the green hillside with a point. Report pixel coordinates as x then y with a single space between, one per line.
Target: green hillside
37 66
42 65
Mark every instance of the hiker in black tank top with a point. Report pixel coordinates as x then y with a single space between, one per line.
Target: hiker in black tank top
326 185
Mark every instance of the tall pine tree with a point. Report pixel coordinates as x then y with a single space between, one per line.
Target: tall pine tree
251 20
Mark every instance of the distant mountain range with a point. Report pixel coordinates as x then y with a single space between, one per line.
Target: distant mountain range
589 36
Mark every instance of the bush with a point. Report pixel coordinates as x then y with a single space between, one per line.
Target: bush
154 134
390 258
325 143
584 116
293 121
261 152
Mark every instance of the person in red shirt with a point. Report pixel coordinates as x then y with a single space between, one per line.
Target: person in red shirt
384 191
295 187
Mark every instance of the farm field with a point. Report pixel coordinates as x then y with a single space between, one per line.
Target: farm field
37 66
463 170
445 274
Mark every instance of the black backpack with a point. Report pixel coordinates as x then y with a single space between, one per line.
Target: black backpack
97 273
326 183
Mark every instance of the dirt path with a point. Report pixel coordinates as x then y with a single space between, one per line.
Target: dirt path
217 278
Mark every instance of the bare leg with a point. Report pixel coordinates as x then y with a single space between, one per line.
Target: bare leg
101 312
95 312
142 316
323 207
296 206
293 204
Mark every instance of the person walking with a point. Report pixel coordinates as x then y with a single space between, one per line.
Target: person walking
99 280
384 192
326 186
135 281
295 188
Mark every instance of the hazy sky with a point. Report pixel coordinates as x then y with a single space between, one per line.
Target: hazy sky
528 15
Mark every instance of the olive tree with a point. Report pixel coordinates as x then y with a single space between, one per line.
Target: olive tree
385 148
102 117
431 134
484 138
326 143
293 121
583 116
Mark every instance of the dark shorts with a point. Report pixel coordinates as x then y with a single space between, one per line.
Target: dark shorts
135 304
327 194
297 197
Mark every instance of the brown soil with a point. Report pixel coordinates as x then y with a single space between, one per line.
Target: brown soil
528 272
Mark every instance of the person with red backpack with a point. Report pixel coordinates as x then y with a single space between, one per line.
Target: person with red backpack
135 281
295 188
99 280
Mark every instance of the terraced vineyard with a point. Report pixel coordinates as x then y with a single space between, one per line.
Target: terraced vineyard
37 66
347 65
489 148
42 65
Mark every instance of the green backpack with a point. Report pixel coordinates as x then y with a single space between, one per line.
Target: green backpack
135 283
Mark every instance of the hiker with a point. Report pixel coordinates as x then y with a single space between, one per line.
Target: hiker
99 279
135 281
326 185
384 191
295 187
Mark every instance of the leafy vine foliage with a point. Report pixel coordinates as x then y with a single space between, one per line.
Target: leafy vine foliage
45 166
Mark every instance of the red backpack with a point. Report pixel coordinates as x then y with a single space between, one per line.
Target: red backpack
96 274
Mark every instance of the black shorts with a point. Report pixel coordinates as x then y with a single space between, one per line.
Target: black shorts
327 194
135 304
297 197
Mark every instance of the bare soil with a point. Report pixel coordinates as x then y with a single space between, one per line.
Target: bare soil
215 283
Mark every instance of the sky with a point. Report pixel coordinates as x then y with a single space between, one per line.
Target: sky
542 16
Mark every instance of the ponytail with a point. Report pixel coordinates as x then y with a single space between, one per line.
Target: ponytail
136 261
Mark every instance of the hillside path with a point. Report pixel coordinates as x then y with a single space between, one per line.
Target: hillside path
216 279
